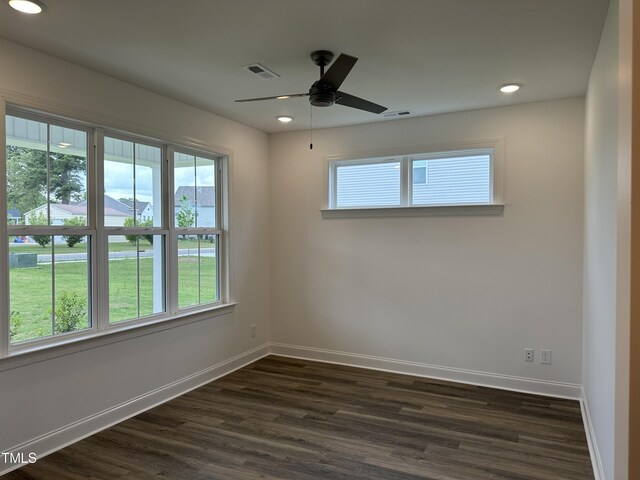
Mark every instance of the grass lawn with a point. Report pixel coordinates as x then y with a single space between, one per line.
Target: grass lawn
30 290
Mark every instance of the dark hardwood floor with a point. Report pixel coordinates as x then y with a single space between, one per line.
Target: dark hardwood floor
281 418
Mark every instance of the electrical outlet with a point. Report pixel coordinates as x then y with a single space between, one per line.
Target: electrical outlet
545 357
253 330
528 354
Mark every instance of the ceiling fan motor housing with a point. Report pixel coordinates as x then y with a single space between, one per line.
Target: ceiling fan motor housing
321 95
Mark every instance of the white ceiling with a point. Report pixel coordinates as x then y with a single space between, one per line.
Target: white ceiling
429 56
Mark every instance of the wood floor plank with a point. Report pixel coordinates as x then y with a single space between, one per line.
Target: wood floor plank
282 418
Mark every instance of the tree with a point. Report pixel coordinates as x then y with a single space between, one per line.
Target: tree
39 219
20 193
128 222
27 177
73 222
185 216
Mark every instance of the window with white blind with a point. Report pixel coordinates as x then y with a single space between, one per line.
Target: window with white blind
460 177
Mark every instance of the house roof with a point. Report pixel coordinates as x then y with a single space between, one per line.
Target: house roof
115 207
80 209
72 209
205 196
140 206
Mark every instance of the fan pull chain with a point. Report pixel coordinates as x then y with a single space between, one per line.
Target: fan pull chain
310 127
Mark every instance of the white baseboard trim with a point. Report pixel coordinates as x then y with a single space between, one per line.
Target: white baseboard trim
62 437
485 379
596 461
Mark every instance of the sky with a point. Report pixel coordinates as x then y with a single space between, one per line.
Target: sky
118 181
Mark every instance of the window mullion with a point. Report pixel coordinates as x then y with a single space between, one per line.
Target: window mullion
405 184
333 186
48 164
4 245
137 264
92 221
101 291
199 237
172 239
53 285
133 168
218 194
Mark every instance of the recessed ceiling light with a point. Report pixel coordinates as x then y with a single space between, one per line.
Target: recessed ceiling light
64 145
509 88
285 118
282 97
27 6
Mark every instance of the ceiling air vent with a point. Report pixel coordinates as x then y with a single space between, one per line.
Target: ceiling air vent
261 71
398 113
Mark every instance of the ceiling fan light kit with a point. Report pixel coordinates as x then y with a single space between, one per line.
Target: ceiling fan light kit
324 92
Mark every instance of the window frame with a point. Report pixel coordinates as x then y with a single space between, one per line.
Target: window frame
217 231
89 230
333 177
133 230
102 331
406 156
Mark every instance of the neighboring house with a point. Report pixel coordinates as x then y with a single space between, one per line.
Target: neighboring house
201 200
117 205
144 210
115 212
13 216
61 211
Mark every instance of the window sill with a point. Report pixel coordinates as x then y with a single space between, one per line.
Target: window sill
26 355
418 211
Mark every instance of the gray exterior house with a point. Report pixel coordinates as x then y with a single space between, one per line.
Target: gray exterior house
13 216
144 210
201 201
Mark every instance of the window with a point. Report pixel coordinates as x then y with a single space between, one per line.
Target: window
367 184
133 179
95 239
420 172
50 242
196 219
449 178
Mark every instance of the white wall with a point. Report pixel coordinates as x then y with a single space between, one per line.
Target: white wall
607 238
461 292
600 242
41 397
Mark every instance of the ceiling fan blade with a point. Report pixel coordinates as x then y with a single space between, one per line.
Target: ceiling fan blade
338 71
359 103
276 97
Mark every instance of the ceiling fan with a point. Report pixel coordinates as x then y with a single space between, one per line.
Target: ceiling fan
324 92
